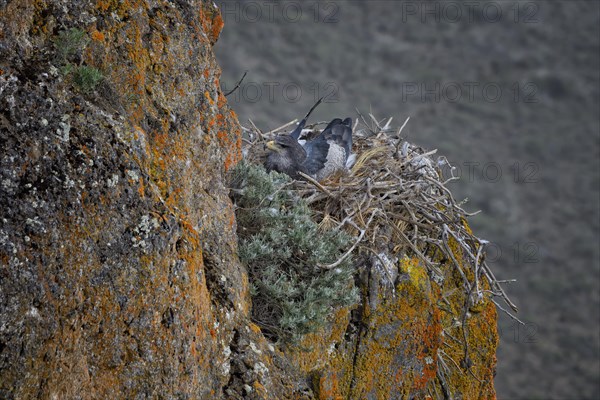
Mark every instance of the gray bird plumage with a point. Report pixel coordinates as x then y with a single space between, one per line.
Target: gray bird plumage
319 158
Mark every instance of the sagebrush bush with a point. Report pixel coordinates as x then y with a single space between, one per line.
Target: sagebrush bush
282 247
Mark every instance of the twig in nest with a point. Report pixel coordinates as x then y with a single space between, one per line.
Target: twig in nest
282 127
237 85
403 125
258 131
364 122
450 253
441 377
453 362
414 248
316 183
384 265
507 312
376 122
492 279
351 249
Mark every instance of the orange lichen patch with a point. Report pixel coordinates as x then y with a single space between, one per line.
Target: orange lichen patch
217 26
142 188
230 140
157 43
208 97
327 358
328 388
211 22
231 219
229 162
104 5
137 81
97 36
260 389
221 100
254 328
39 23
165 153
137 132
431 341
416 273
314 350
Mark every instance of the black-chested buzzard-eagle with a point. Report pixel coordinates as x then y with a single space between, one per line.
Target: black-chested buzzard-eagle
319 157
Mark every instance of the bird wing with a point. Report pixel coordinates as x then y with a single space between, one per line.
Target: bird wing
340 133
316 154
334 122
298 131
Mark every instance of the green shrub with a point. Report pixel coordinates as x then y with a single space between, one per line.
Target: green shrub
282 247
70 42
87 78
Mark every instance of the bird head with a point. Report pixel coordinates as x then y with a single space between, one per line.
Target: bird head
282 143
284 154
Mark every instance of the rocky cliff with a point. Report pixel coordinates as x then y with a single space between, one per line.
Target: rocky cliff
118 269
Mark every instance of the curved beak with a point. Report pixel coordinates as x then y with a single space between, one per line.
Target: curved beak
271 145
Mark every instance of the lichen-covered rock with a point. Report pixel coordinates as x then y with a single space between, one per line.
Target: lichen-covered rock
118 269
117 249
390 347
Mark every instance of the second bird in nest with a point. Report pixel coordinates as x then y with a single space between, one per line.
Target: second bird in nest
319 157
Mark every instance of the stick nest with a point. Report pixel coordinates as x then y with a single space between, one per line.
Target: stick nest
394 202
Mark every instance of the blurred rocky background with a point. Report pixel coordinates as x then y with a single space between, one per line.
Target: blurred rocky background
509 92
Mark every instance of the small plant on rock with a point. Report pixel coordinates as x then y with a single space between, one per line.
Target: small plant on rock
70 42
69 45
87 78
